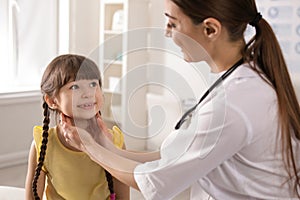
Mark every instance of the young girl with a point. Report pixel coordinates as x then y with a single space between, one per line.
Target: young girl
71 88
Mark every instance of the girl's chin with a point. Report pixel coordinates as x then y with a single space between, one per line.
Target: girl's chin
84 116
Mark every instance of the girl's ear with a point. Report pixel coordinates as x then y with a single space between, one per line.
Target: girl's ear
212 28
50 101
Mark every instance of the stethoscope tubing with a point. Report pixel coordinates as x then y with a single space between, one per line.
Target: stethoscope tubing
210 89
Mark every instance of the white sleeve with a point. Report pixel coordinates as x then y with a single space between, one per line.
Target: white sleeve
216 133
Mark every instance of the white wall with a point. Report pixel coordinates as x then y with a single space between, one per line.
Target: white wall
18 115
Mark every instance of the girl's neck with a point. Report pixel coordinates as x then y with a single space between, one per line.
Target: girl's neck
80 123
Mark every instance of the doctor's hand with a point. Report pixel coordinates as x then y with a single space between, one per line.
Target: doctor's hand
75 136
104 131
79 138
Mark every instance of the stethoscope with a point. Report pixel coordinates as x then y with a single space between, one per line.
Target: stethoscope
213 86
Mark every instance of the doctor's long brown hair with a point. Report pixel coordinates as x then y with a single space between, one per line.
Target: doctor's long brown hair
264 51
60 71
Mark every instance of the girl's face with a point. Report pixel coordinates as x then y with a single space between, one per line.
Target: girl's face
184 33
80 99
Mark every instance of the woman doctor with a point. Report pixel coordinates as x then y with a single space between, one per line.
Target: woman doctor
242 141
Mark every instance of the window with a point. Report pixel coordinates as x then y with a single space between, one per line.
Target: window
29 41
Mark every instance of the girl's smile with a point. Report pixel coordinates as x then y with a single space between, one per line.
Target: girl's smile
87 106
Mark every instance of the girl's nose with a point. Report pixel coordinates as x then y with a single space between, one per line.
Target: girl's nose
87 93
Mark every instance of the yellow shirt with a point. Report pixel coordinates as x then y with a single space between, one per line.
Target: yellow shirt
73 175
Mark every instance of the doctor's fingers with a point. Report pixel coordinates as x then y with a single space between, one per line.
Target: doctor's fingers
64 118
70 133
103 127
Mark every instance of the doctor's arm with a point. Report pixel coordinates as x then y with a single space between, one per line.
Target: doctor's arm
120 163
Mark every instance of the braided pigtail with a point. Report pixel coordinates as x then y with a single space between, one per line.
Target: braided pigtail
110 183
42 151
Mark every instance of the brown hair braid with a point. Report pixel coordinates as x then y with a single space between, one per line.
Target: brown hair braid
109 182
60 71
42 152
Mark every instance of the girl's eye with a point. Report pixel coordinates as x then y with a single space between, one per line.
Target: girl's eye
74 87
93 84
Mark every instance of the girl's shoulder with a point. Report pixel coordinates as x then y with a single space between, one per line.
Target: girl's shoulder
38 133
118 136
